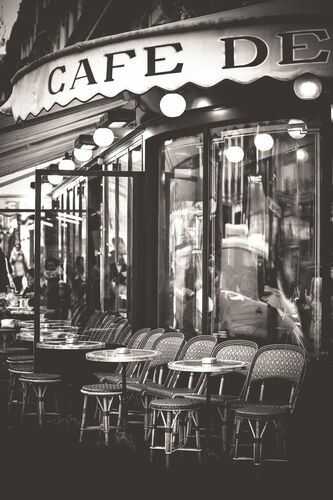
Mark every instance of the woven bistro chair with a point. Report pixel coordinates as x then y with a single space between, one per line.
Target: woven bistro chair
234 350
198 347
37 386
109 390
133 343
16 369
279 362
142 341
169 345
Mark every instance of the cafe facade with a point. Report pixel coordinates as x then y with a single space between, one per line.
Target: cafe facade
211 212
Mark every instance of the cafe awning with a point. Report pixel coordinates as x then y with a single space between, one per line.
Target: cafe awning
281 39
39 140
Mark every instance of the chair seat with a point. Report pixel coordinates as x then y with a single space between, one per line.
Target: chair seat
215 399
101 389
12 350
174 404
159 390
20 358
21 368
260 411
107 377
41 377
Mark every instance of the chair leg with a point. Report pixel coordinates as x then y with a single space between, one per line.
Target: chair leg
105 420
25 390
195 418
84 417
235 441
257 445
153 430
168 437
224 428
146 417
40 405
12 380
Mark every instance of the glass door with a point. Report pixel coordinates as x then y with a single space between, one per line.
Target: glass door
104 249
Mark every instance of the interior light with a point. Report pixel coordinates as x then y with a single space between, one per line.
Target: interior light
66 163
103 137
263 142
54 179
172 105
301 155
297 129
234 154
308 87
83 154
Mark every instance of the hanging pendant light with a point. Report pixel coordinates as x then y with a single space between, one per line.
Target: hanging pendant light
83 154
54 179
66 163
103 137
172 105
234 154
308 87
263 142
297 129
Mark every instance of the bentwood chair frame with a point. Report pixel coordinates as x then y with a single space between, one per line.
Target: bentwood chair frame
234 350
280 362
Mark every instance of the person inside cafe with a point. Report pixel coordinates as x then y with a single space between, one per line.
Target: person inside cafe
55 292
18 263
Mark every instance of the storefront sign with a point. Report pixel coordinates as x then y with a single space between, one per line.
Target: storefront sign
169 61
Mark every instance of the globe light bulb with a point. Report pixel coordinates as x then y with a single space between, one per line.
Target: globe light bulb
298 130
308 87
234 154
54 179
103 137
172 105
263 142
83 154
66 163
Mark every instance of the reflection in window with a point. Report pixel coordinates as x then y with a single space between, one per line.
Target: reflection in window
181 234
263 233
118 243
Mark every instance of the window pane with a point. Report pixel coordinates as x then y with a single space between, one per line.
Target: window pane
180 257
136 157
264 249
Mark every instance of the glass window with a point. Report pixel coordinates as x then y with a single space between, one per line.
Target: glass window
180 238
264 269
122 163
117 258
136 159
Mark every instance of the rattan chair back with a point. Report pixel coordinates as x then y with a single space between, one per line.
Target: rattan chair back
277 361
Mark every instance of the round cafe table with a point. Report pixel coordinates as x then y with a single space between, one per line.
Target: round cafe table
68 359
215 367
119 356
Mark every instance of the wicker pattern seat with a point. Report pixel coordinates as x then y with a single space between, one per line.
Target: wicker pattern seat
15 371
41 377
101 388
37 384
262 411
20 358
176 404
104 395
286 363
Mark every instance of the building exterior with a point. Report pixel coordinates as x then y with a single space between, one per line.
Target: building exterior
210 218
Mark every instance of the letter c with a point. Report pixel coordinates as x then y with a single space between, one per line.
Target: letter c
49 85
